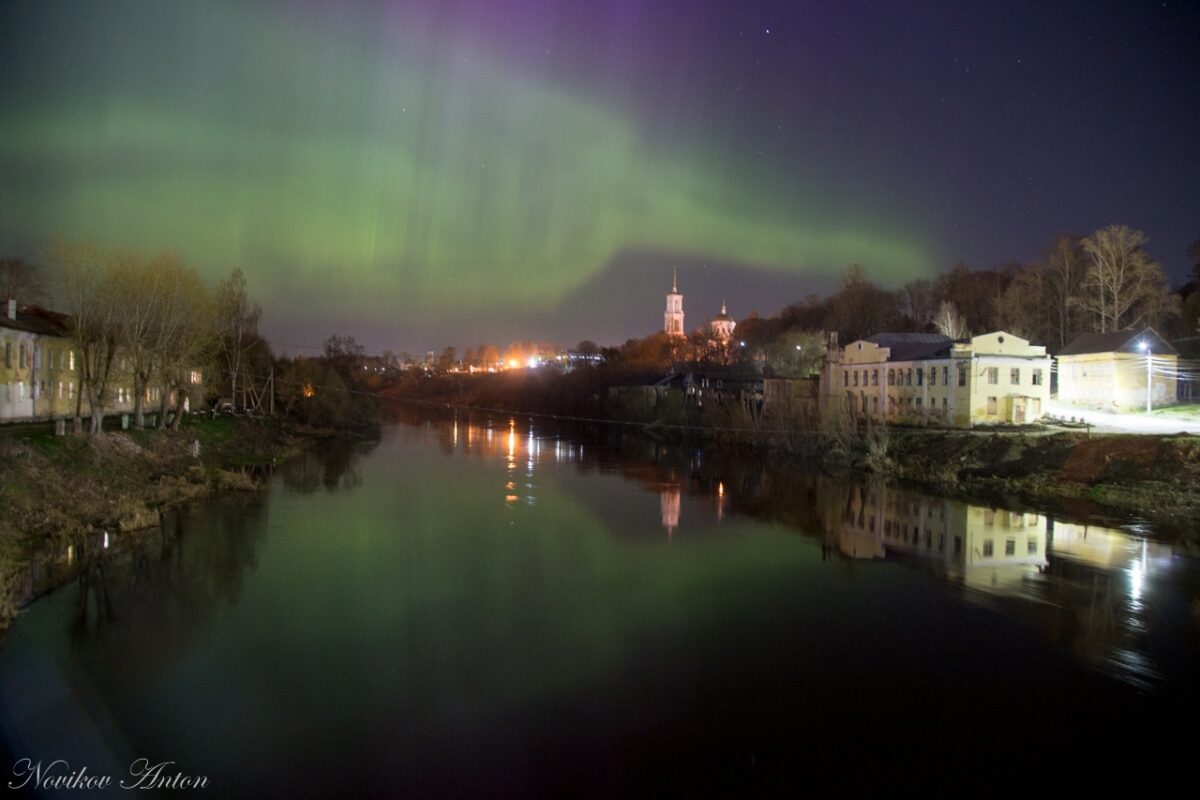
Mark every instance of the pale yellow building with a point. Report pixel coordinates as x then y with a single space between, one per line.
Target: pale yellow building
925 378
985 548
1109 370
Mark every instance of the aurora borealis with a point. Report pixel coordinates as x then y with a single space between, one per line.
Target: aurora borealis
428 173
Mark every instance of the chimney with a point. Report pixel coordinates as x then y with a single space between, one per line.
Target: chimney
12 308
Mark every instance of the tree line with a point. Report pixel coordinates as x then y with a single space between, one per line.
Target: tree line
1106 281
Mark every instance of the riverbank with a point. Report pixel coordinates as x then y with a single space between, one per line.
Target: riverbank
1132 476
56 489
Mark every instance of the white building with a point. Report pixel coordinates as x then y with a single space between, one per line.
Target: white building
673 316
919 378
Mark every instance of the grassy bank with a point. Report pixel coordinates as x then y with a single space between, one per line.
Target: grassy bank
53 489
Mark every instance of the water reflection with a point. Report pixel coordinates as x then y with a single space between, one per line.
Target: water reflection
1086 587
330 465
479 601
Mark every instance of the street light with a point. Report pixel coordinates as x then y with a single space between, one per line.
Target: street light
1145 348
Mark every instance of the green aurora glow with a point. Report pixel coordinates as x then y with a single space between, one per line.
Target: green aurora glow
344 168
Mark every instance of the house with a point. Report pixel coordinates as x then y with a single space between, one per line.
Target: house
41 372
1112 370
927 378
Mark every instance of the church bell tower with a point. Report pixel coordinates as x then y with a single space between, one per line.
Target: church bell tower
673 317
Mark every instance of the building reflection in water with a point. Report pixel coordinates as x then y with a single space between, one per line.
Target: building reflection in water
1084 586
985 548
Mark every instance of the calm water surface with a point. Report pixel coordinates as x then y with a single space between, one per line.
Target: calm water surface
500 606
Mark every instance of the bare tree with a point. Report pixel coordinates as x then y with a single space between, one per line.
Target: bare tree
949 322
1123 287
185 335
90 296
140 282
237 319
919 300
19 280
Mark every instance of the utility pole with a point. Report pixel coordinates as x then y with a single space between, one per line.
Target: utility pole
1146 347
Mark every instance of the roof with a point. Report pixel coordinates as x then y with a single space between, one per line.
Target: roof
1118 342
35 320
913 346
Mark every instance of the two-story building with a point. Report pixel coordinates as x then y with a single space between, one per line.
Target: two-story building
924 378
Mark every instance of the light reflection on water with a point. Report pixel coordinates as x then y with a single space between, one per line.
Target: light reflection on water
1082 584
473 582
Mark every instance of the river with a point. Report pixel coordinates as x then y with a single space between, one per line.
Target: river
479 604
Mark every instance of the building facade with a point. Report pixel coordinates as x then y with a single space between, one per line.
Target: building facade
922 378
1116 371
41 373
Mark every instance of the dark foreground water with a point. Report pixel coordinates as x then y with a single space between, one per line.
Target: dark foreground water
495 607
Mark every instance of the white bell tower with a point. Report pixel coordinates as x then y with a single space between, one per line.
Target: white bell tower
673 317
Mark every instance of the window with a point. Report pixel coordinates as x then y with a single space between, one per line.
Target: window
1031 546
1037 377
920 376
1014 376
845 378
993 375
918 402
933 376
891 377
945 406
1010 547
60 390
874 377
991 405
72 364
20 390
856 377
962 375
988 548
37 357
21 357
8 354
875 405
908 377
945 376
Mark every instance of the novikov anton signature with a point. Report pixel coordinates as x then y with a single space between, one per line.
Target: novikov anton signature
143 774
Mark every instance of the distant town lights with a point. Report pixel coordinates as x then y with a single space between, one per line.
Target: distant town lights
533 362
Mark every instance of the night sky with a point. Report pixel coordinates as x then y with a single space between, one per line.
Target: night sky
419 174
